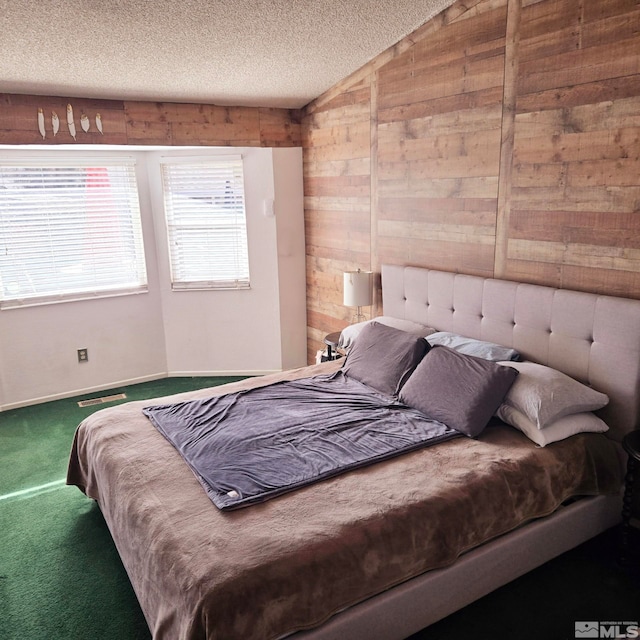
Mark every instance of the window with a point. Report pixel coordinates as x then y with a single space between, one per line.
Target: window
206 223
69 230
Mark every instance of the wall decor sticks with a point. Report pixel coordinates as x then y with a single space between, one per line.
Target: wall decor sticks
85 123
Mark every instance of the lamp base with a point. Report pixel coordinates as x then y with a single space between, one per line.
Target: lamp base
358 317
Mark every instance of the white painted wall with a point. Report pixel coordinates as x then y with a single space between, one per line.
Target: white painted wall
240 331
141 337
287 174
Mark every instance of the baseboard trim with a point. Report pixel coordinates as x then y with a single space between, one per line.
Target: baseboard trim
215 374
81 392
125 383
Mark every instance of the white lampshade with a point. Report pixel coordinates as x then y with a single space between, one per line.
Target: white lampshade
358 288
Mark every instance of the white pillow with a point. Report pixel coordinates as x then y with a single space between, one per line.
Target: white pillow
350 333
544 394
558 430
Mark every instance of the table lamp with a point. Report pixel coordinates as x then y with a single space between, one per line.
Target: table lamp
358 291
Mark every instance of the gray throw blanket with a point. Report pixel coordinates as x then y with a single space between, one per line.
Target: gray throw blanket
252 445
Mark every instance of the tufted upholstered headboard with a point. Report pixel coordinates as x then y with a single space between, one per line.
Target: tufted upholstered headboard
593 338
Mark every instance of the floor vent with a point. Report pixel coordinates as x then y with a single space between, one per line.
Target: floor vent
94 401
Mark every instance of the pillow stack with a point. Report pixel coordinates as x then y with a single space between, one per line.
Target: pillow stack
547 405
463 382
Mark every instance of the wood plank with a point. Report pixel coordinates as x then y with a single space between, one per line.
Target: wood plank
614 199
438 231
551 43
541 176
481 187
582 94
354 148
455 166
464 37
549 17
453 122
330 203
598 11
534 272
353 113
579 278
324 168
606 281
338 186
349 243
605 115
465 211
421 65
279 128
395 147
611 29
607 144
353 135
587 255
359 221
148 132
474 259
622 172
469 101
581 227
320 233
480 8
445 81
343 255
230 128
613 60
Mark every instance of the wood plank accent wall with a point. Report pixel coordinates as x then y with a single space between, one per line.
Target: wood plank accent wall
148 123
575 188
439 128
337 177
504 142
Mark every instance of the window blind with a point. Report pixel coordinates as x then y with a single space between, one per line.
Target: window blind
206 223
69 231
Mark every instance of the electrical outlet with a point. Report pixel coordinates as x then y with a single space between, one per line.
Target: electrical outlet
83 355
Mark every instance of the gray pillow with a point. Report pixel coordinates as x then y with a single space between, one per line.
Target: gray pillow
383 357
458 390
349 334
473 347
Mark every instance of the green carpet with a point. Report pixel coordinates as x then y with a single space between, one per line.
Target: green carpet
60 574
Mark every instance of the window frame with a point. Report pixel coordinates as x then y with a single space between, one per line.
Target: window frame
178 281
132 221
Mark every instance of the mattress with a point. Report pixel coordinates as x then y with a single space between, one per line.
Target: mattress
271 569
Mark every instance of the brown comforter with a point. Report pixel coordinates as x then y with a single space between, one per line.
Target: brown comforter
290 563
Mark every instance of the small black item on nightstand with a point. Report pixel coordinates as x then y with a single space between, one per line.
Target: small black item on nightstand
331 340
631 444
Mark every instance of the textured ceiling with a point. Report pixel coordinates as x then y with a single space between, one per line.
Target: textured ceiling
276 53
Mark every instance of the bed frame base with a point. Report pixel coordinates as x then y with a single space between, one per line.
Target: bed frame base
414 605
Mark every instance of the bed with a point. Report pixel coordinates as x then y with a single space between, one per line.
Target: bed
380 551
